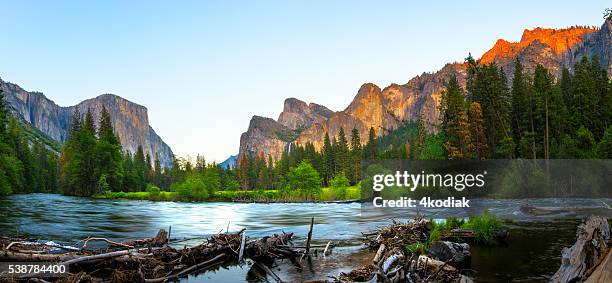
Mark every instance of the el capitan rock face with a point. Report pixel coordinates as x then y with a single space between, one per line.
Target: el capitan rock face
130 120
385 109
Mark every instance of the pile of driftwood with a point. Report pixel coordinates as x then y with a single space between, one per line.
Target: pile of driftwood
589 259
152 259
394 263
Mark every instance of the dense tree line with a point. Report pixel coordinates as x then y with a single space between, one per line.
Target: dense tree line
26 165
538 117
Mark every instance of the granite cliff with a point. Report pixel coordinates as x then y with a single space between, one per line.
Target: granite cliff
130 120
385 109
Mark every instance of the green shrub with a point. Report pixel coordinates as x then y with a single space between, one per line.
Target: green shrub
339 184
454 223
153 190
192 188
305 179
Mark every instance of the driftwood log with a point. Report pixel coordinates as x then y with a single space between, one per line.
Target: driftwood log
590 249
603 271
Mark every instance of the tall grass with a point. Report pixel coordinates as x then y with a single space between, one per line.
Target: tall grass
484 226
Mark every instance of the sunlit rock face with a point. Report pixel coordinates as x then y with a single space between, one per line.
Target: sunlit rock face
298 115
558 40
386 109
130 120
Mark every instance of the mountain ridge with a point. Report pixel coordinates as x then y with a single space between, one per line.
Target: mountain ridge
385 109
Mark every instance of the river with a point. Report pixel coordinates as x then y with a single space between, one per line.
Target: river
532 253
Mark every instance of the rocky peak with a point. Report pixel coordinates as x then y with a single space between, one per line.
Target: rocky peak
265 137
320 110
367 95
299 115
559 40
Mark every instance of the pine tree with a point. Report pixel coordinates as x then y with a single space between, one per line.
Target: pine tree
585 93
355 156
455 121
542 92
140 165
487 86
371 151
479 145
108 153
157 168
519 101
419 142
566 90
243 171
200 165
87 147
328 159
342 153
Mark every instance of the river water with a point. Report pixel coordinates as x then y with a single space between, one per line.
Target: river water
532 252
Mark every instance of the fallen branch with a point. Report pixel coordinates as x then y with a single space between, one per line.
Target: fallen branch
98 256
269 271
208 263
6 255
113 243
309 235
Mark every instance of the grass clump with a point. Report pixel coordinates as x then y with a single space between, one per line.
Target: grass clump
438 229
484 227
416 248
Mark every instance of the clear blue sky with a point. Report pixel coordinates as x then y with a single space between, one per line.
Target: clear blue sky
203 68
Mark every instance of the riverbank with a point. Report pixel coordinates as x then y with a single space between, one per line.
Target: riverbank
348 194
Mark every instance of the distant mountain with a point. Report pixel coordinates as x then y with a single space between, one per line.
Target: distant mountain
230 162
388 108
130 120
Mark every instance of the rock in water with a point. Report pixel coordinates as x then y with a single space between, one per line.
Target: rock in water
455 254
